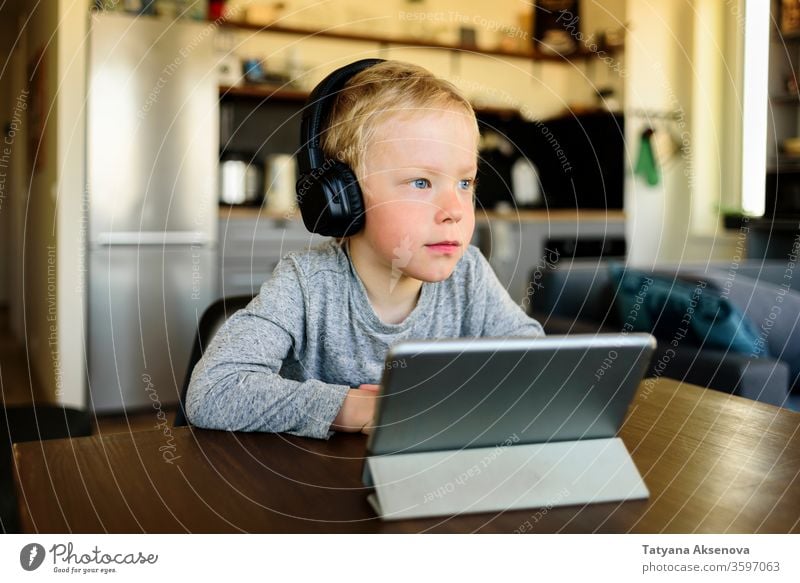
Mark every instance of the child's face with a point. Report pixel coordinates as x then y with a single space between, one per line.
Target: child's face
418 184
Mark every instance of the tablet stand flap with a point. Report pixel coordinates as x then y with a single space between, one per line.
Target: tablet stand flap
512 477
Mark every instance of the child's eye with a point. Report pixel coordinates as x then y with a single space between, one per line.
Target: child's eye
421 183
466 184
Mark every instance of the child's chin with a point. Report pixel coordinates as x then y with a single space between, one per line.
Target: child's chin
434 276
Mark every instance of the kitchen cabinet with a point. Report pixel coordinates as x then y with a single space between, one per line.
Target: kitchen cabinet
251 244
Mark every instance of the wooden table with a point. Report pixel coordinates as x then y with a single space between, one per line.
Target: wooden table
713 463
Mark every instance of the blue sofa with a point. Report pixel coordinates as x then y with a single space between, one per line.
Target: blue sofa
584 297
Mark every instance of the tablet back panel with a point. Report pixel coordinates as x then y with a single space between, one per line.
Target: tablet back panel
457 393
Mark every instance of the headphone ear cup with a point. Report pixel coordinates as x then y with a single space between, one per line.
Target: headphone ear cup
355 200
330 201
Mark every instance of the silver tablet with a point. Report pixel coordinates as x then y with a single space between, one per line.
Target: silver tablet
482 392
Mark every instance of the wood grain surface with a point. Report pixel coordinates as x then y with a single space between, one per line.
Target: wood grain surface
713 463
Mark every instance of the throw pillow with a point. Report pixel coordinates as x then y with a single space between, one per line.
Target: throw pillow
674 310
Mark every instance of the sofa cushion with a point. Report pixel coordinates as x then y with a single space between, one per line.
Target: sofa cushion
773 309
673 310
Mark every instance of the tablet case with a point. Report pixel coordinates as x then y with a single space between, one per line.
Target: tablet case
548 410
537 475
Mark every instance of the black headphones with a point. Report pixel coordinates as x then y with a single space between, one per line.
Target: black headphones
328 193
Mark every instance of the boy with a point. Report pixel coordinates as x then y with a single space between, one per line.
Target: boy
324 321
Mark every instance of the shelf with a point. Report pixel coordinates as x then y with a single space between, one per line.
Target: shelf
786 98
788 37
264 92
555 215
780 223
529 54
784 164
253 212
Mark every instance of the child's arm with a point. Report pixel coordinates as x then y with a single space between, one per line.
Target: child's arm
237 386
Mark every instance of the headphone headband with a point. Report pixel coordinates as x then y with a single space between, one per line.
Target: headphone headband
328 193
318 109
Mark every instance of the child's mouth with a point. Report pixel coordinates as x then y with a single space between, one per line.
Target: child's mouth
444 246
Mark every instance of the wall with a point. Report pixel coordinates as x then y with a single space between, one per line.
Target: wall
731 86
71 221
39 267
658 83
681 58
44 211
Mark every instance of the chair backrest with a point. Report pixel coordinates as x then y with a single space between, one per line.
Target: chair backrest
211 321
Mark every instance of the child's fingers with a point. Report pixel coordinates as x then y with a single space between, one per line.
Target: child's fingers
374 388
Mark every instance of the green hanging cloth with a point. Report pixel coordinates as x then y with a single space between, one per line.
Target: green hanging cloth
646 165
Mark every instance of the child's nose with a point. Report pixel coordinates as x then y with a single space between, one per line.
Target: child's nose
450 206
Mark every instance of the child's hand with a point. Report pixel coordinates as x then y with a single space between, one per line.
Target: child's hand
357 410
367 429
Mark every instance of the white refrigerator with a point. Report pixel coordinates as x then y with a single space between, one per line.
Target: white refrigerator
153 142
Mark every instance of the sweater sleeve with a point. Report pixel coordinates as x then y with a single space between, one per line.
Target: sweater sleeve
236 386
502 316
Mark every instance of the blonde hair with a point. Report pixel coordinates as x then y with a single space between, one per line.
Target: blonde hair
370 97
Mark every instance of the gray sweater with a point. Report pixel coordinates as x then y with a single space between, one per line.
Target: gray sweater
286 361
